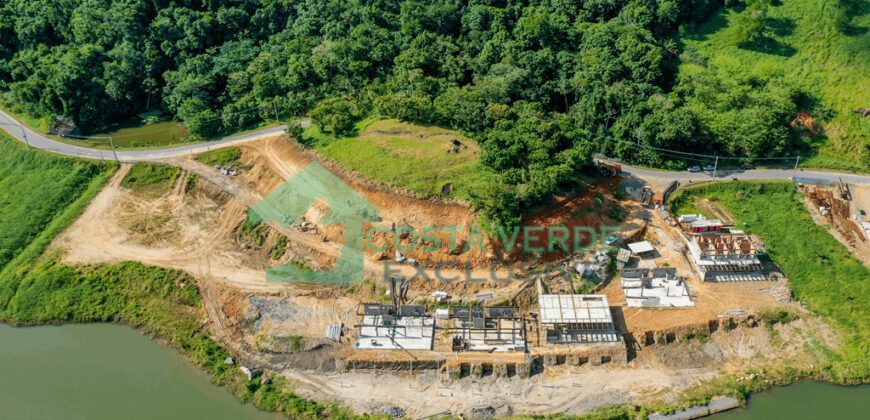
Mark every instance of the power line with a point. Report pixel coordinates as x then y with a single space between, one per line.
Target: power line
679 153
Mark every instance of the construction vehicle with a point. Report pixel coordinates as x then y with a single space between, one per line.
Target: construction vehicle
646 195
608 169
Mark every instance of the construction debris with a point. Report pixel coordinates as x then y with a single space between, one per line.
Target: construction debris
837 210
665 214
394 412
781 293
250 373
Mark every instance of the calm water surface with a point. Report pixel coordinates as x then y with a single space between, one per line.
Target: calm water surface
104 371
808 400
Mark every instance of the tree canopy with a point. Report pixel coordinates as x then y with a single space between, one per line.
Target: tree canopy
541 84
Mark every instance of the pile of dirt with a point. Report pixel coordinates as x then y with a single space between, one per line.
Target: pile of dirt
803 119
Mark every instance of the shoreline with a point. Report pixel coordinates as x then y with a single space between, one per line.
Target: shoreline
714 405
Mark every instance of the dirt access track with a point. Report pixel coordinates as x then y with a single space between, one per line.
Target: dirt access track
195 225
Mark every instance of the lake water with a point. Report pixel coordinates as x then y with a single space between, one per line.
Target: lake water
104 371
805 401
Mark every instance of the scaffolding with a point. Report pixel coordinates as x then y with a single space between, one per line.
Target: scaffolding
726 257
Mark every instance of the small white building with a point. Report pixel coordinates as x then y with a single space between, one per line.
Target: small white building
622 258
642 249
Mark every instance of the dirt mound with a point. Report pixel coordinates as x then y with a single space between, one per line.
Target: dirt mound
802 118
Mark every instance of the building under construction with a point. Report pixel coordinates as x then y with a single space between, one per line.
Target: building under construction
656 288
573 318
724 257
487 328
384 327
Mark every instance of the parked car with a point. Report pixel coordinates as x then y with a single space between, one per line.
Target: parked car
710 168
694 169
746 166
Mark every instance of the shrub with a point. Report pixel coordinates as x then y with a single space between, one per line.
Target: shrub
226 157
150 177
777 316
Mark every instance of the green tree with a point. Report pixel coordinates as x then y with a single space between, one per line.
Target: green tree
335 116
204 124
749 25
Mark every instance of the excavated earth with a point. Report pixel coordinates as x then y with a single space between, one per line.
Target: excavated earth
196 226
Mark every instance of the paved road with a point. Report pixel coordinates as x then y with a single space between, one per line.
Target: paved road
726 175
39 141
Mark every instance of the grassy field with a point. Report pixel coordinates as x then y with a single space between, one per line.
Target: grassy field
228 156
405 155
822 272
150 177
820 48
36 189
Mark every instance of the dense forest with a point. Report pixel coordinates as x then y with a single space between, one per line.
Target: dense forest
541 84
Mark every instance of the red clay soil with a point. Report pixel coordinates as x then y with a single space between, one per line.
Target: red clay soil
571 212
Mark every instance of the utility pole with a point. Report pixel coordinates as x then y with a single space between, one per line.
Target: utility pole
715 166
795 167
24 134
275 106
113 149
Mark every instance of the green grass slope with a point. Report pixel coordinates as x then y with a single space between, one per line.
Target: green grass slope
822 272
818 47
406 155
37 189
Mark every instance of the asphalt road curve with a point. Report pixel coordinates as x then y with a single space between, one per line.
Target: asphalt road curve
36 140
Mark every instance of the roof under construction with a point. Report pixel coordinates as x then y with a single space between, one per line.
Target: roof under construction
723 246
574 309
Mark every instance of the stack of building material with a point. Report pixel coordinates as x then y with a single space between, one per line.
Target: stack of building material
333 332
